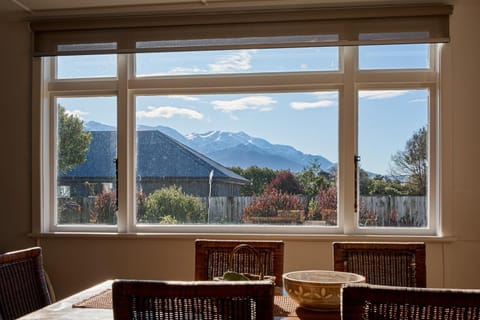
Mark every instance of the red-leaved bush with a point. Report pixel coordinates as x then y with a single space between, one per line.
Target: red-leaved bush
105 207
268 204
324 206
286 182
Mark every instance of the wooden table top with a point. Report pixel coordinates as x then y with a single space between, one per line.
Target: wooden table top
95 304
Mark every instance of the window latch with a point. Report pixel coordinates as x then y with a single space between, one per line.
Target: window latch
116 183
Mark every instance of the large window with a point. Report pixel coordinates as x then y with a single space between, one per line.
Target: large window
285 140
301 120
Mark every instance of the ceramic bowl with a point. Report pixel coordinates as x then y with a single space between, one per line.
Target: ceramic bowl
318 289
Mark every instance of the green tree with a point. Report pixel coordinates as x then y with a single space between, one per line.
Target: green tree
259 178
171 205
365 183
413 162
312 179
381 185
73 141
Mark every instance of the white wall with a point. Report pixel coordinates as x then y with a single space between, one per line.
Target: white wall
77 262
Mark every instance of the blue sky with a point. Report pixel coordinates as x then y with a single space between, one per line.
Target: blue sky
386 118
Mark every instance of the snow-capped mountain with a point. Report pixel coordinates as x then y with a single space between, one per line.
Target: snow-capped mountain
237 149
240 149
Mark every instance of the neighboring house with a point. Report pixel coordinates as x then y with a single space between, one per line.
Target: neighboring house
161 161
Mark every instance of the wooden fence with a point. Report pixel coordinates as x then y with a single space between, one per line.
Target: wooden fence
225 209
407 211
395 211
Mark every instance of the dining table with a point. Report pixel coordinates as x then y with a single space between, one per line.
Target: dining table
95 303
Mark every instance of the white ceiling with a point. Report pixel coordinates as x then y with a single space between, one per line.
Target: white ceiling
46 8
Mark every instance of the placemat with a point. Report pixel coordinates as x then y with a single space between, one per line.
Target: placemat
284 306
102 300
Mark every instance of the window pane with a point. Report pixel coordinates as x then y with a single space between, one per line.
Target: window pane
86 66
86 153
237 61
237 158
394 159
398 56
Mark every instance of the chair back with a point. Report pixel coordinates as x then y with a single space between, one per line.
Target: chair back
23 287
212 258
365 301
150 299
383 263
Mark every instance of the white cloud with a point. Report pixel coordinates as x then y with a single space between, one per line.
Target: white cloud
230 63
325 99
76 113
183 70
381 94
262 103
323 95
169 112
312 105
175 72
238 61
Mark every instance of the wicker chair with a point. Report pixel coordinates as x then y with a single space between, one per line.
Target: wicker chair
212 258
150 299
365 301
23 287
383 263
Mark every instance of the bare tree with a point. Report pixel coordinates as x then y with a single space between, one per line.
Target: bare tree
413 162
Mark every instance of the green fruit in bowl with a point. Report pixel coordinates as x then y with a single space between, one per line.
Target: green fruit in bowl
234 276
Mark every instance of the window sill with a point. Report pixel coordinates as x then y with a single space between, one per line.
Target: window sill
241 236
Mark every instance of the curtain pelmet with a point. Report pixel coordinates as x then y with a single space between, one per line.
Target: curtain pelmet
292 28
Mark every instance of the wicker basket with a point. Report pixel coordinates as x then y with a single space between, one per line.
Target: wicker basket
248 276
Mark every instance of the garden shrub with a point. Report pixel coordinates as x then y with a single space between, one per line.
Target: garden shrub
105 208
324 206
268 204
141 198
286 182
172 205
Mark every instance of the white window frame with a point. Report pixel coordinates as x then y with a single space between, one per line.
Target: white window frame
347 80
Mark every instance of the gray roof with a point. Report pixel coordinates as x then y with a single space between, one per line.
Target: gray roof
158 156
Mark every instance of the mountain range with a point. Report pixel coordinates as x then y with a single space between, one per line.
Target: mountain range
236 148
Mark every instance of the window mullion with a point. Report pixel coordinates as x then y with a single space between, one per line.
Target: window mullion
47 202
130 144
82 87
243 83
122 147
433 174
347 138
384 78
